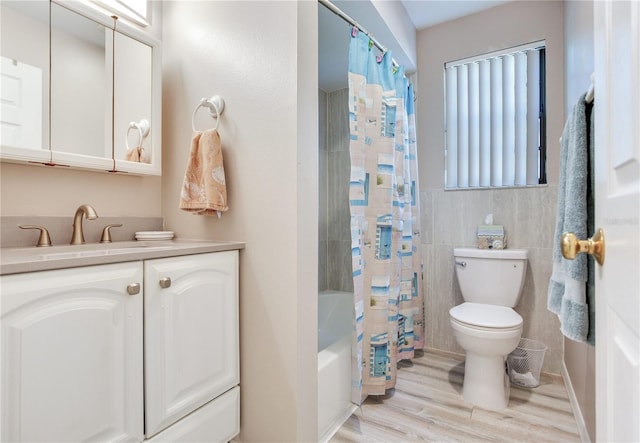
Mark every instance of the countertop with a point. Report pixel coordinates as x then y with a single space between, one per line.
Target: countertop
31 259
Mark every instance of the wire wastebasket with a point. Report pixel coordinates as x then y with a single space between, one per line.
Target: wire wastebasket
525 363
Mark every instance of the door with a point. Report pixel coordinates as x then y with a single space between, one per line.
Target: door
191 334
22 131
617 170
72 355
20 104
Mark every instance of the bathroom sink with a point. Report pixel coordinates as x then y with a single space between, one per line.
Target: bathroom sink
18 260
91 250
99 252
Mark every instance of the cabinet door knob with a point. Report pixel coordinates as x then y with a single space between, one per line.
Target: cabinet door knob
133 288
165 282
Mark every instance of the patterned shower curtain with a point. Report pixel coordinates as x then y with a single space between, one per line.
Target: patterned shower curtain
385 219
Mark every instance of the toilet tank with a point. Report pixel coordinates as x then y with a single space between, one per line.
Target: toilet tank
491 276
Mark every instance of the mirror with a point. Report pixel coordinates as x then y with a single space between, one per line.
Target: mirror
132 100
104 97
80 75
137 101
24 80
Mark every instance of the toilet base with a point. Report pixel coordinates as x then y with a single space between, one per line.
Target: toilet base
486 383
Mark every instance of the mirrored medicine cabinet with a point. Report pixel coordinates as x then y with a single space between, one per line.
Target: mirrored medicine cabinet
79 89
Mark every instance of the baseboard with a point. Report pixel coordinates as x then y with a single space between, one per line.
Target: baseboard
577 413
442 352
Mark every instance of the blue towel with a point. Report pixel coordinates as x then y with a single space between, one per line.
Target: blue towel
571 289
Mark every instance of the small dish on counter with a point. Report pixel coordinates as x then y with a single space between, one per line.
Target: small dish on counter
154 235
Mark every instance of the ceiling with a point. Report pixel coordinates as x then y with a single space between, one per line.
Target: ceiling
333 42
425 13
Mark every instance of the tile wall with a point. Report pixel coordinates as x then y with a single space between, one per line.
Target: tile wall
322 191
334 237
449 219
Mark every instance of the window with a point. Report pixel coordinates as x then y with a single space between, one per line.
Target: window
495 119
135 10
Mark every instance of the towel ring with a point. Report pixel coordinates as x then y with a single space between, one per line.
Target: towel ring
143 130
215 105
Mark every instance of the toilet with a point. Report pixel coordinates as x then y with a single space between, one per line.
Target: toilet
485 325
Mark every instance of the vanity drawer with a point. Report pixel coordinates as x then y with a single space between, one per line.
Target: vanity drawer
217 421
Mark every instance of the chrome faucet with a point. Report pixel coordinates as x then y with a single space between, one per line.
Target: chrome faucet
87 210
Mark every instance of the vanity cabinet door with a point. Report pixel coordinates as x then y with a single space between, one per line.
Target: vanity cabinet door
72 355
191 334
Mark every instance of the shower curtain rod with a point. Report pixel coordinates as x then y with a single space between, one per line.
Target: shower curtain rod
340 13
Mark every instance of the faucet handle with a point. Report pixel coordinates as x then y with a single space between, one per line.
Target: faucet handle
106 233
44 239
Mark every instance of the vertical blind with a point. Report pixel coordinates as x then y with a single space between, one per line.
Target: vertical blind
492 118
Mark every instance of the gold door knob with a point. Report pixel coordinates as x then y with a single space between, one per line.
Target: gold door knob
571 246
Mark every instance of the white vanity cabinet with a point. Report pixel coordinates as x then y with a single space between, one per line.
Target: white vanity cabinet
122 352
72 354
191 340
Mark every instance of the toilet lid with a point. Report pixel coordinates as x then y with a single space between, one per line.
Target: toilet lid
487 316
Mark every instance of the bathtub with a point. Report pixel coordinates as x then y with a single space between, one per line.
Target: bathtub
335 313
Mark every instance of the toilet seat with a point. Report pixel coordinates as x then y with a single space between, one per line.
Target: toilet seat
481 315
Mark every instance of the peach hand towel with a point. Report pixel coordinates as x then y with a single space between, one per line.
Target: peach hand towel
137 155
204 189
132 155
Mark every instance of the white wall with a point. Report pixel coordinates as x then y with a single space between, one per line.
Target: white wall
578 56
400 25
58 191
501 27
261 57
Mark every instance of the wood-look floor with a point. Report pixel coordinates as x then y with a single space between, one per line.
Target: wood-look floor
427 405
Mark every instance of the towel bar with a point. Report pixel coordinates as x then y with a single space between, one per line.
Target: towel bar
215 105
